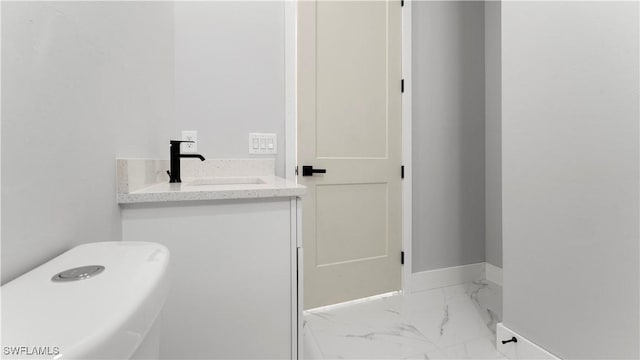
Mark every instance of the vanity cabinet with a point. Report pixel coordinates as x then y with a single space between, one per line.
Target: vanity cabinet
233 272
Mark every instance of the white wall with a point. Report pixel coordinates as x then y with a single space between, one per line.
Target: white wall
230 73
86 82
82 83
448 134
570 148
493 152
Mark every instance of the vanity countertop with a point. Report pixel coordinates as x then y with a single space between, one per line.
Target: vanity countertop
270 186
144 181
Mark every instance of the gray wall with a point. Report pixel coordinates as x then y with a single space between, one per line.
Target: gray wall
570 106
230 74
493 142
82 83
448 134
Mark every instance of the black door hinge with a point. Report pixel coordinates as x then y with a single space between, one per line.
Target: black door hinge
296 171
401 257
401 2
402 86
402 172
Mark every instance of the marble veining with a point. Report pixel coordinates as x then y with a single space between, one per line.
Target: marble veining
488 301
445 319
456 322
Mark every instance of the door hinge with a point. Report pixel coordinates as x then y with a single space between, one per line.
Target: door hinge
401 2
402 172
401 257
296 171
402 86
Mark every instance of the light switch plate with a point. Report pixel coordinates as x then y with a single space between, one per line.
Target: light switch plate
263 143
189 148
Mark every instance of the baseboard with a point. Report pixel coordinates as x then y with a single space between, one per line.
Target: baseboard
433 279
523 349
493 274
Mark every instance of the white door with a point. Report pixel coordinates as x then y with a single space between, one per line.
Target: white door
349 123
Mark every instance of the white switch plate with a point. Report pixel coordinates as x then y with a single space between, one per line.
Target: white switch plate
190 135
263 143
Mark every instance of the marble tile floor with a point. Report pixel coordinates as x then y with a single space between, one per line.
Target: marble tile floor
456 322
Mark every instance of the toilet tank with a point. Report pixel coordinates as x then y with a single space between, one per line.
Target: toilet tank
104 310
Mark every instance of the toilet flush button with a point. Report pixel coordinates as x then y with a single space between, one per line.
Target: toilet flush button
79 273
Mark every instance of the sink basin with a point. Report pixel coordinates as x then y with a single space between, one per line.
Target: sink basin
224 181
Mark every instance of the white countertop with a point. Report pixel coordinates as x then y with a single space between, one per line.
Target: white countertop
144 181
189 190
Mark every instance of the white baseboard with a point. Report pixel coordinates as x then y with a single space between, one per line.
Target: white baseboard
433 279
523 349
493 274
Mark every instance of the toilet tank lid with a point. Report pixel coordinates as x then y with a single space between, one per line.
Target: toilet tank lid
106 315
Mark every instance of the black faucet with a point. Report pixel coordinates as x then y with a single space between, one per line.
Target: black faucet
174 173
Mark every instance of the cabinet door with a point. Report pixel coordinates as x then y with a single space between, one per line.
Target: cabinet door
231 294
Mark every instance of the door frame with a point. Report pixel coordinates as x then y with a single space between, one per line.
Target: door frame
290 54
290 88
407 183
290 160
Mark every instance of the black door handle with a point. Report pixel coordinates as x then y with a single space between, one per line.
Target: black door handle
309 171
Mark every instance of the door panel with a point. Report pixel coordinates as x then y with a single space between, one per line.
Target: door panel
339 207
351 79
349 123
